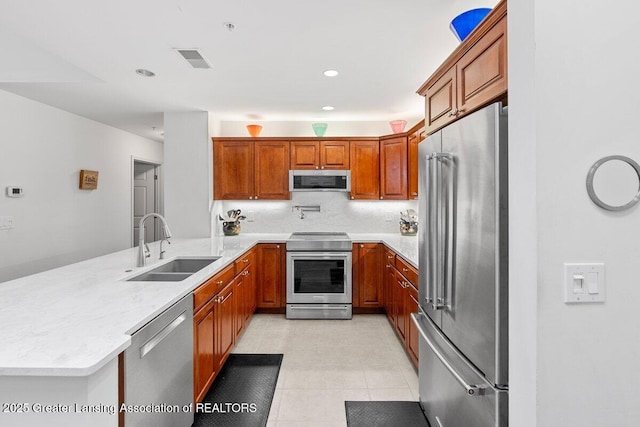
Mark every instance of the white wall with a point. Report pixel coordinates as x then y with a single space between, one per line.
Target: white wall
334 128
188 175
55 223
522 217
583 109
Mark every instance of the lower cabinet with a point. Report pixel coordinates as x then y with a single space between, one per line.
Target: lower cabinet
270 274
389 280
223 305
411 306
401 299
203 349
213 339
367 282
224 336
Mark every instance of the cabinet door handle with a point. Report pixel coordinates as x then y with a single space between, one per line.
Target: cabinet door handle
316 167
381 198
389 256
246 260
245 273
256 198
405 269
322 167
250 198
352 198
219 282
362 246
278 246
453 112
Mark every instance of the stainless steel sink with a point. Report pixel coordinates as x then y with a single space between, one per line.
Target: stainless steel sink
174 271
185 265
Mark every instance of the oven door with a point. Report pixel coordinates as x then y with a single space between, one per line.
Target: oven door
319 277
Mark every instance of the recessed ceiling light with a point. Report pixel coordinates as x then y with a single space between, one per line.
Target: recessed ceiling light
327 108
330 73
145 73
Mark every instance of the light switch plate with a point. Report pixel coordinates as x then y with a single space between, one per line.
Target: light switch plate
583 283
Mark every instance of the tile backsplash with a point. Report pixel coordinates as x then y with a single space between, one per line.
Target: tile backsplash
337 213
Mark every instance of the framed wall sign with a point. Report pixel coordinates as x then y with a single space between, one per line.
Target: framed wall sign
88 179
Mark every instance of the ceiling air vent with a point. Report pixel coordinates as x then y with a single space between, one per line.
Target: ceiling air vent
194 58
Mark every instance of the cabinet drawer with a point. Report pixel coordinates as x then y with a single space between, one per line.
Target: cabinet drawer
245 260
407 270
212 286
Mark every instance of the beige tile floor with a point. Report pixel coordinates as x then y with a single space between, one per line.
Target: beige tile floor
327 362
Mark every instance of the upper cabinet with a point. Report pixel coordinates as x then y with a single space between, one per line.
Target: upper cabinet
319 155
474 75
250 170
365 169
233 170
393 167
416 135
272 170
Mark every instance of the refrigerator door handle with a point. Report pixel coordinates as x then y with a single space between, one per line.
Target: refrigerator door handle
471 389
435 227
432 228
449 227
443 232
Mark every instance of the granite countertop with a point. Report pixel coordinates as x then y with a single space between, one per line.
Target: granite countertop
72 320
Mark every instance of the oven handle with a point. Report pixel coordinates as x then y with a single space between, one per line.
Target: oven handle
332 254
342 307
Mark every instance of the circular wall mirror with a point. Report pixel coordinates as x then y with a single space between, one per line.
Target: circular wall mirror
613 183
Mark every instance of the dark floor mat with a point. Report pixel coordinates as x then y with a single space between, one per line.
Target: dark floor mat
242 392
385 414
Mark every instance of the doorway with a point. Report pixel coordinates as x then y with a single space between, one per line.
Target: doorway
145 200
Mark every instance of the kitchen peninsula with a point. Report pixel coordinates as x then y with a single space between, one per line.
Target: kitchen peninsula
62 347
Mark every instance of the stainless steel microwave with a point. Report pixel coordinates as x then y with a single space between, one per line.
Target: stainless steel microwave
319 180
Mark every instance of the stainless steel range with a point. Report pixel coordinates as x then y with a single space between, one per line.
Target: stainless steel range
319 276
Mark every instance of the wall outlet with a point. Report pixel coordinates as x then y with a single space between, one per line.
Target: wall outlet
251 216
389 216
6 222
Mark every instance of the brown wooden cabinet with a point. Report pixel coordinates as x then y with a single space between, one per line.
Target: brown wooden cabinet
203 349
270 275
224 336
389 277
233 170
401 299
474 75
367 282
213 334
319 155
393 167
401 312
272 170
412 337
222 306
365 169
416 135
252 170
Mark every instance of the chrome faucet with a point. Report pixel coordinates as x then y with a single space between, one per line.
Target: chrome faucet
143 248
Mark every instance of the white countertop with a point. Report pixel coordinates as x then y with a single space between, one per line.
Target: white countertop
72 320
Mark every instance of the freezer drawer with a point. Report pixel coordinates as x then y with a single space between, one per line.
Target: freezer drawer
452 393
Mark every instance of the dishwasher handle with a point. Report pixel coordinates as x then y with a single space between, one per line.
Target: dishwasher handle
162 334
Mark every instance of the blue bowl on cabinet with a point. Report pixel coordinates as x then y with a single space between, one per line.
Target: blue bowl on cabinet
463 24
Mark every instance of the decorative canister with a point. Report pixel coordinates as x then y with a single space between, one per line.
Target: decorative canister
231 228
408 228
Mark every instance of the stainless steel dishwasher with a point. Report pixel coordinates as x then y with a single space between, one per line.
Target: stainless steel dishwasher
158 370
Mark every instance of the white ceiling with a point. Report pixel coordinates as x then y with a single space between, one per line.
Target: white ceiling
81 56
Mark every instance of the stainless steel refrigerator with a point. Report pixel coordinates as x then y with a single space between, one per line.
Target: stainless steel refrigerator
462 321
